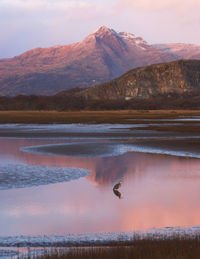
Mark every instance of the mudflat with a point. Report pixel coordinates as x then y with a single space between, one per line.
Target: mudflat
177 131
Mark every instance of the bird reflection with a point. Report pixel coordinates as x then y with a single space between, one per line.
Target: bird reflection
115 189
117 193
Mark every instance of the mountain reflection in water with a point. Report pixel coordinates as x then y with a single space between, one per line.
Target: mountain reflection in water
158 191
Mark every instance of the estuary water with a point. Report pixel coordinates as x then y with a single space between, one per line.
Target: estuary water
63 184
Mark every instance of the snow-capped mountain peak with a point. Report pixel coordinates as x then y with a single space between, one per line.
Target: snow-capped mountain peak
128 38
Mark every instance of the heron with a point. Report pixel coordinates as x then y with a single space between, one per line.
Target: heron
117 186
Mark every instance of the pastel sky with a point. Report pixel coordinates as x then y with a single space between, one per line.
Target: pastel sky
27 24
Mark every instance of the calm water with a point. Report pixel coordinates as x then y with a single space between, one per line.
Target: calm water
157 191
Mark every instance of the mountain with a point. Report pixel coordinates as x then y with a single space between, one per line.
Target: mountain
165 79
100 57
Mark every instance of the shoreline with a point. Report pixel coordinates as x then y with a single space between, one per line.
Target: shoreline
96 239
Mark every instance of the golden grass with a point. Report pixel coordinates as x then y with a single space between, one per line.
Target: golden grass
88 116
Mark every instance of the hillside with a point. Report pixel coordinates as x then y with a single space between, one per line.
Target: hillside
176 77
174 85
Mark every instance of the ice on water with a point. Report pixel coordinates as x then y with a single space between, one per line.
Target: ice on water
14 176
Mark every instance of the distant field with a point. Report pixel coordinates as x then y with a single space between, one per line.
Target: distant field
46 117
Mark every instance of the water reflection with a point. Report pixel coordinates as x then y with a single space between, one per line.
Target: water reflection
157 190
117 193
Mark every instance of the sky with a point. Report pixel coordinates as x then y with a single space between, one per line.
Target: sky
27 24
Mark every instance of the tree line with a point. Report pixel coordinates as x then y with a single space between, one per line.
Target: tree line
70 102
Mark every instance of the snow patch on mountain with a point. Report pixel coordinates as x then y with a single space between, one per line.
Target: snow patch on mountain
131 38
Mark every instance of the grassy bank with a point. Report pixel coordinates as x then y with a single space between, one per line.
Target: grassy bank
176 248
46 117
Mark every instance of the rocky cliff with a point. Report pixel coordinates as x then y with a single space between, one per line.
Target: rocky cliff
177 77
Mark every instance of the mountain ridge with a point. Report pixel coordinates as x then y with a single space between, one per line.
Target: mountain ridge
102 56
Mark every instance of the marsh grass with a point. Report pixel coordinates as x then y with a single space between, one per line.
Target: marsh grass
46 117
168 248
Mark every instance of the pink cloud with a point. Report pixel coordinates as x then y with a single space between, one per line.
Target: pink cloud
152 5
182 11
